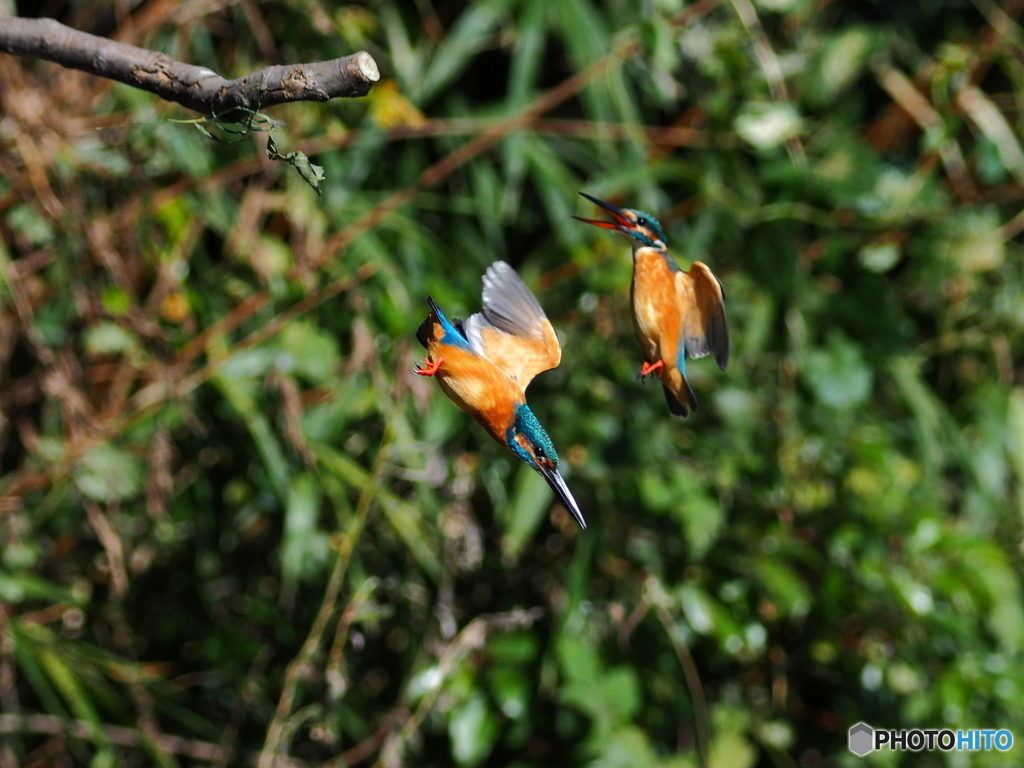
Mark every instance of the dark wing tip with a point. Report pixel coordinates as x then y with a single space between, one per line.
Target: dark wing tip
720 341
722 358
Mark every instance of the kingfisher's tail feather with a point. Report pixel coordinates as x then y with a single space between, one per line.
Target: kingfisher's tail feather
674 406
427 326
452 331
678 394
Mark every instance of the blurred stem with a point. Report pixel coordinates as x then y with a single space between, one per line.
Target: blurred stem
346 546
247 691
700 704
904 93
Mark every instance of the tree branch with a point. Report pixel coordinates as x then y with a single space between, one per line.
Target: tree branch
196 88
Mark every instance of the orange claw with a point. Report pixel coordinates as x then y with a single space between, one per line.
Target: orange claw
429 367
647 368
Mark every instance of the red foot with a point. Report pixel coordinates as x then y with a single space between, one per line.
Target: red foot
428 368
647 368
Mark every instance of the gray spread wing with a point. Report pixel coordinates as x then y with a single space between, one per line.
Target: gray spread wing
702 300
512 332
509 305
473 327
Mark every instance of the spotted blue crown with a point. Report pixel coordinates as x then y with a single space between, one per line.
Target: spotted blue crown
645 220
526 424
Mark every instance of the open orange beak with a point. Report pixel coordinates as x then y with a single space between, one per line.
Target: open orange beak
621 223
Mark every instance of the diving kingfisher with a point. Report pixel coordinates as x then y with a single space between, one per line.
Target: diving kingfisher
485 364
676 314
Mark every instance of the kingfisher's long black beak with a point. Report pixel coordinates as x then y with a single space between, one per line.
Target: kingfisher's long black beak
559 487
621 223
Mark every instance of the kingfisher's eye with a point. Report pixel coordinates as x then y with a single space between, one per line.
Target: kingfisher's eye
641 222
539 451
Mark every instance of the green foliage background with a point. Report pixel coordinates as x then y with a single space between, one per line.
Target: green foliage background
231 514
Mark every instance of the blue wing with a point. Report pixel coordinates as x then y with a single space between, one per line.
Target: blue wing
451 334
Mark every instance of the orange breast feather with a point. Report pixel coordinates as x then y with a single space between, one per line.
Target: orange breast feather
478 387
656 311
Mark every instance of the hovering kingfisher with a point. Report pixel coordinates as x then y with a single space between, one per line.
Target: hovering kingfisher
485 364
675 314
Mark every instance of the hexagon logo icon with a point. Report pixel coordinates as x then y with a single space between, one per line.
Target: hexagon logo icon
861 739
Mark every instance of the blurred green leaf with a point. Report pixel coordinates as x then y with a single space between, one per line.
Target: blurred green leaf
765 126
840 59
511 692
784 586
79 701
838 375
304 547
403 517
973 241
1015 438
1001 588
467 37
24 220
109 339
309 351
18 587
473 728
879 257
109 474
243 400
684 497
609 697
529 500
310 173
729 746
697 608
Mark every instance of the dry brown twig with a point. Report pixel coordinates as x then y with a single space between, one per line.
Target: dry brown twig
197 88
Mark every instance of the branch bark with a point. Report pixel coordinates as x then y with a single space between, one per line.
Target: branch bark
197 88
